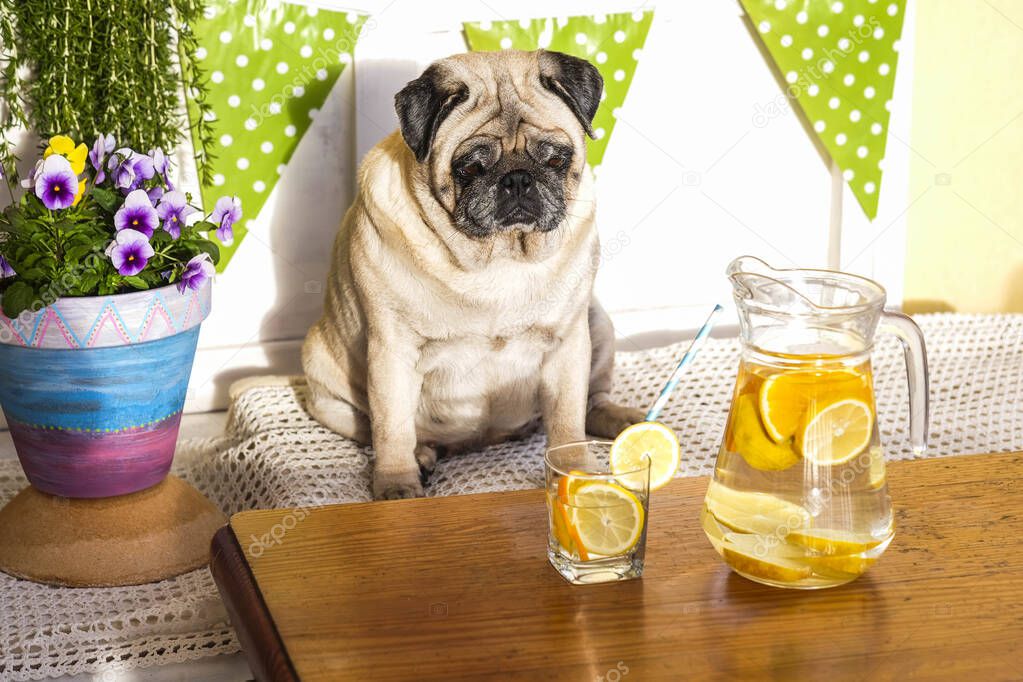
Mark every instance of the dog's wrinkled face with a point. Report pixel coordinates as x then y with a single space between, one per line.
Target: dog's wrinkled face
502 136
518 189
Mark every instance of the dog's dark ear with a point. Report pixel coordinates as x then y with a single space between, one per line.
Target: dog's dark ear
576 82
422 106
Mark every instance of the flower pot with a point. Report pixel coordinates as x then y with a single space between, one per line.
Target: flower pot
93 388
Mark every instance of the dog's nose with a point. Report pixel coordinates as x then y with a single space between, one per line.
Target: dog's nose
517 182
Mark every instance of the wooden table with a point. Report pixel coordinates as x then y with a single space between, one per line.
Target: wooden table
460 587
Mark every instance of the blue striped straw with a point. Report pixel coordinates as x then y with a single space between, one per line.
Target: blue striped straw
694 348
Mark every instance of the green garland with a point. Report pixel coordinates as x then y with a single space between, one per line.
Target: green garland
83 67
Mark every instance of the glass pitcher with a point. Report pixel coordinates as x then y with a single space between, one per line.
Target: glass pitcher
799 497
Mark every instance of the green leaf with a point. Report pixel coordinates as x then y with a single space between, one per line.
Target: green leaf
16 221
106 198
18 297
136 282
205 246
30 260
76 253
88 283
159 238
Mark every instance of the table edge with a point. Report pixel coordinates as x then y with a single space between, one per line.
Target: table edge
260 641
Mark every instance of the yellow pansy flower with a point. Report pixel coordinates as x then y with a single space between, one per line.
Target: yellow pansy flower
65 146
81 191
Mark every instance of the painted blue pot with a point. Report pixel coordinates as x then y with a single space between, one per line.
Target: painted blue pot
93 388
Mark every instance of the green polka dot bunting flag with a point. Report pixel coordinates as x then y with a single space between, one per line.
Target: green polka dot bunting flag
270 65
838 59
611 42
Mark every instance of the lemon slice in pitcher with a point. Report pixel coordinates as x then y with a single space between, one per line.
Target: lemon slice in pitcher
749 439
832 541
754 556
607 519
785 397
836 433
646 439
750 512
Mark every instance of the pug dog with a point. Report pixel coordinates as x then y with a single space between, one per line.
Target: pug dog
459 309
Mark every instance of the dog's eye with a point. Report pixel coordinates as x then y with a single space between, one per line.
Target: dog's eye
469 171
556 161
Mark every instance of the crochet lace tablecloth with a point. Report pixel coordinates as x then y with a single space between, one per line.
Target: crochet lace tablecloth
274 455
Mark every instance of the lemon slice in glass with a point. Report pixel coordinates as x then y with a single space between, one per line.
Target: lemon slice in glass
568 484
836 433
607 518
646 439
564 532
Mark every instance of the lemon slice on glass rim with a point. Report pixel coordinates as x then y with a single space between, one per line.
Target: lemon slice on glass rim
651 440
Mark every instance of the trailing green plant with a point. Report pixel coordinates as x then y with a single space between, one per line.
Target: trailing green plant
79 67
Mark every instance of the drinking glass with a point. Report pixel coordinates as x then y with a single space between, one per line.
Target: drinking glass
597 520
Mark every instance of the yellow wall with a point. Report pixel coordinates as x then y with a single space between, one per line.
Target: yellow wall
965 249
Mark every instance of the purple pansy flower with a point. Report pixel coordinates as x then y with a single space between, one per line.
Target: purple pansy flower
103 145
173 210
131 169
196 272
155 194
226 213
30 181
123 173
137 214
161 164
160 160
5 269
56 184
130 251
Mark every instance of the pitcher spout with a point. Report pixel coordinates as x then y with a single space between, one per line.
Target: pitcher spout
794 291
755 282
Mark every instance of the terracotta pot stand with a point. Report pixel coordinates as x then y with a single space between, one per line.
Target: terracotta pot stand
156 533
92 389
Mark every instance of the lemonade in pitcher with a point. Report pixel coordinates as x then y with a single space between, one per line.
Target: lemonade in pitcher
799 497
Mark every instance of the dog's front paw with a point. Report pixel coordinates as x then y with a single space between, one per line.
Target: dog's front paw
609 419
426 457
397 485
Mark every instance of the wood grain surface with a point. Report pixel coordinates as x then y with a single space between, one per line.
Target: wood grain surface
258 636
460 587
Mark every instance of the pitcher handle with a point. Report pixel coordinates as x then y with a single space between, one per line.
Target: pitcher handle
915 351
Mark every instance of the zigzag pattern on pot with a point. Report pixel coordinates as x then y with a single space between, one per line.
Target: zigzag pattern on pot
100 322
